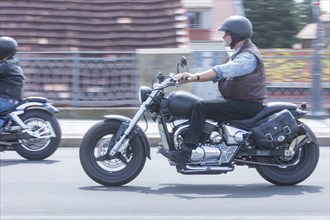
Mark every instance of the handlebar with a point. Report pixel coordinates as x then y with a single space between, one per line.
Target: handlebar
168 82
164 82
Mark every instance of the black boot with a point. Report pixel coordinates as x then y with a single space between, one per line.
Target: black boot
180 157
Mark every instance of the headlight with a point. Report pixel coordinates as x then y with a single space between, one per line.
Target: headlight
144 92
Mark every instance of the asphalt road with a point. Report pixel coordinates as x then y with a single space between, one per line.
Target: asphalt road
58 188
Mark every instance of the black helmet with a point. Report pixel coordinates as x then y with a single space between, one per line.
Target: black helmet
238 27
8 47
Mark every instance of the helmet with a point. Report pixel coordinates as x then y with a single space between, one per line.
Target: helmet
238 27
8 47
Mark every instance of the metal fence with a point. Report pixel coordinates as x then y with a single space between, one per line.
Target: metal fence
81 79
111 78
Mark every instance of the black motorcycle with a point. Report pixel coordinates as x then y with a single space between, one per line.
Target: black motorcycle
31 129
283 150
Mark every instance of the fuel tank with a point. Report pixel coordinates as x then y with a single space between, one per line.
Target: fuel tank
180 103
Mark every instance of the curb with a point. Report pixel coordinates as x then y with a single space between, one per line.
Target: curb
323 141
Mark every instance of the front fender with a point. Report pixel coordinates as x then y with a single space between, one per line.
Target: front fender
137 129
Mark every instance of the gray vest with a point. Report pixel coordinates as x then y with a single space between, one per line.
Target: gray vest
250 87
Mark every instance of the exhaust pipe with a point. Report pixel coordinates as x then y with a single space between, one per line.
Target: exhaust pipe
189 170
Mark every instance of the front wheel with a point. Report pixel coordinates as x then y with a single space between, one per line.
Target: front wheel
96 162
44 125
306 160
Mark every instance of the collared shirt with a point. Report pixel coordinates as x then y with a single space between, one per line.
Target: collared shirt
243 64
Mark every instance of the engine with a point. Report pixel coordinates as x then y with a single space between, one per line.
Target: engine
220 153
214 148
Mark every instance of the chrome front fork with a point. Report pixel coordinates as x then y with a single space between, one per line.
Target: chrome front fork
122 144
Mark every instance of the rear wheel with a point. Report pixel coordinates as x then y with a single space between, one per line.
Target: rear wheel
304 162
106 170
44 125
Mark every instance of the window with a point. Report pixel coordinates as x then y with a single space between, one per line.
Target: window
194 19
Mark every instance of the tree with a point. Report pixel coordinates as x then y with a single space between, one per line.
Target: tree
305 13
275 22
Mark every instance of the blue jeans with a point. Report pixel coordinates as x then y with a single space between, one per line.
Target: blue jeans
5 105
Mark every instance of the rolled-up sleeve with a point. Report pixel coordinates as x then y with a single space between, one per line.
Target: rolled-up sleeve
245 63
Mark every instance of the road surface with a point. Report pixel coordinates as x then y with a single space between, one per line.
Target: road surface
58 188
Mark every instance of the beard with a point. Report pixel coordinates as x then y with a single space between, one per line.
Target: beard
227 42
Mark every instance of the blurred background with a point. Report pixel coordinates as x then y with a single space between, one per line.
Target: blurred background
83 53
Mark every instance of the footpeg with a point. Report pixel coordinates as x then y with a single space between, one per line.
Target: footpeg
159 147
165 153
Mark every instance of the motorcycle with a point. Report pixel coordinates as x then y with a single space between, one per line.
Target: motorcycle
30 129
282 149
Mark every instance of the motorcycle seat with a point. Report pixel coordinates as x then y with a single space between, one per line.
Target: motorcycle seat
36 99
266 111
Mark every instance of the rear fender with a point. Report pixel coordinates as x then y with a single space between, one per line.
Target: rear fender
139 131
308 131
37 105
298 113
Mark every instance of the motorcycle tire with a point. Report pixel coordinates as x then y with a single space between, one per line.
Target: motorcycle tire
115 171
36 148
308 156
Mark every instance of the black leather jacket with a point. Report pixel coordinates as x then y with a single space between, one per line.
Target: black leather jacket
11 79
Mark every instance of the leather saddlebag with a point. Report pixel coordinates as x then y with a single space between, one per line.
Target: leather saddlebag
276 130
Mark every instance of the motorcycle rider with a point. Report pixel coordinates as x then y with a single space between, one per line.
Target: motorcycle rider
241 82
11 75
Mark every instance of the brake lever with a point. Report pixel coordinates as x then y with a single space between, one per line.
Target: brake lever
177 82
180 80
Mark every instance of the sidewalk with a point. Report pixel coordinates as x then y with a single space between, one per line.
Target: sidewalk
74 130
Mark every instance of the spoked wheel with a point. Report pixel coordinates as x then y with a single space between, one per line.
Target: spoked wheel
47 137
295 169
109 170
